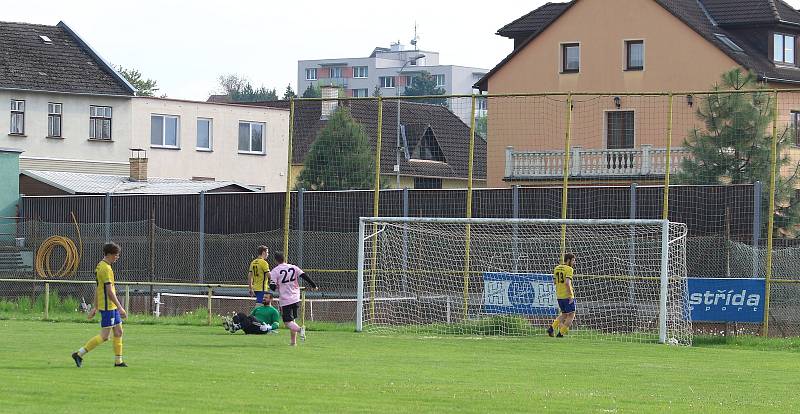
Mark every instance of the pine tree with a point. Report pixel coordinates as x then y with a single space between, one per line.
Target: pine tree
289 93
341 157
312 92
734 145
424 84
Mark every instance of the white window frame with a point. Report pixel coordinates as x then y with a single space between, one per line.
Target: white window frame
163 143
384 83
250 140
338 70
357 72
782 60
54 112
309 72
210 135
441 84
18 110
99 114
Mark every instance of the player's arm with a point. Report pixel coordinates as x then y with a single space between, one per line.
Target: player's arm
93 310
273 284
250 281
309 281
274 320
109 287
568 285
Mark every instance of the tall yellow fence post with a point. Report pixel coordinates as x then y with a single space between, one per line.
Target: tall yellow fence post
288 202
565 189
210 291
469 205
47 301
668 164
773 165
375 206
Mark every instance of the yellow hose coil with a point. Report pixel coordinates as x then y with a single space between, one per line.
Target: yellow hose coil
71 261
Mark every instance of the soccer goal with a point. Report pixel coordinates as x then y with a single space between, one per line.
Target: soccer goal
435 276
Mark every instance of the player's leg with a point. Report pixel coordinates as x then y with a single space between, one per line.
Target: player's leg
568 310
288 313
117 341
106 322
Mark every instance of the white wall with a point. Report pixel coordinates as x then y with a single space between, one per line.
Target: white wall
224 162
75 149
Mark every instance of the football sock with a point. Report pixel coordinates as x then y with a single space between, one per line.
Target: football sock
92 343
118 349
554 324
563 329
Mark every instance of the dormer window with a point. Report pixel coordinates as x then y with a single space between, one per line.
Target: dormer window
783 49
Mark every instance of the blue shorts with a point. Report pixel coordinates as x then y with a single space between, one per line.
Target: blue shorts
110 318
259 295
565 306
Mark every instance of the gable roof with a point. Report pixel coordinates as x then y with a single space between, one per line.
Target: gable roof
66 64
451 133
706 17
80 183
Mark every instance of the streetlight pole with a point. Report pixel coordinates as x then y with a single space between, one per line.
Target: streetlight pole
397 94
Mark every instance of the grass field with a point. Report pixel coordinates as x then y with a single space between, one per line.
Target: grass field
178 368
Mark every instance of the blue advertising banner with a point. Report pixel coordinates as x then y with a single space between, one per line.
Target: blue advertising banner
519 293
726 299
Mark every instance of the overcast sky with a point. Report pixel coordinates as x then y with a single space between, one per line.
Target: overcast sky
186 45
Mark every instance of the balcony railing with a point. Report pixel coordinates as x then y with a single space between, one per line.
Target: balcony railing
642 161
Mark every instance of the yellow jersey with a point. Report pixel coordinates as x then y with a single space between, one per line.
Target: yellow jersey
259 269
560 275
105 276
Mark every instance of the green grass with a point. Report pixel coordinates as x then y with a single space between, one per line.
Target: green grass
204 369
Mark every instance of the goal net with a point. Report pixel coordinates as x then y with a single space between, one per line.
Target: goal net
495 277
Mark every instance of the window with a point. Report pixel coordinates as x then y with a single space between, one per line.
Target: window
795 118
728 42
783 51
360 71
634 52
99 122
570 58
387 81
439 80
53 120
430 183
251 137
409 80
204 133
619 129
311 74
336 72
164 131
17 118
360 93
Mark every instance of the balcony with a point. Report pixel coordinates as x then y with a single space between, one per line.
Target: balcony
644 161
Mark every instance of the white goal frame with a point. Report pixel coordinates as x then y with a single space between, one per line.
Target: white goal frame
664 269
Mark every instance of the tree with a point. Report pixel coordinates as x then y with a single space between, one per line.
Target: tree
144 87
481 126
341 157
734 147
377 91
312 92
424 84
239 89
289 93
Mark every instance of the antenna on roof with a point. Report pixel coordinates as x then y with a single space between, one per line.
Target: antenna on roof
416 37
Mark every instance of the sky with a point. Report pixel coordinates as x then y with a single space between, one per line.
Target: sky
186 45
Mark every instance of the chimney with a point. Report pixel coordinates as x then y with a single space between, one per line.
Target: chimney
330 96
138 163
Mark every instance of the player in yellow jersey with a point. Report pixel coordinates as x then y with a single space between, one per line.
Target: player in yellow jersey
562 276
258 274
111 311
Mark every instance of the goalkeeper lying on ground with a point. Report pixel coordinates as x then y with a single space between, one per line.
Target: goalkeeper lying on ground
263 319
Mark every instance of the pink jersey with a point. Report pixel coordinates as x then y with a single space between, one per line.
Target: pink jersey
287 276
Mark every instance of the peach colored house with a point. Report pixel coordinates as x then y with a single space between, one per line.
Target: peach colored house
618 47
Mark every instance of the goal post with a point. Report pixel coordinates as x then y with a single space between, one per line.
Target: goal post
630 276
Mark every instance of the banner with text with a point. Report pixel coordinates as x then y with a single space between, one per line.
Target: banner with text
519 293
726 299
